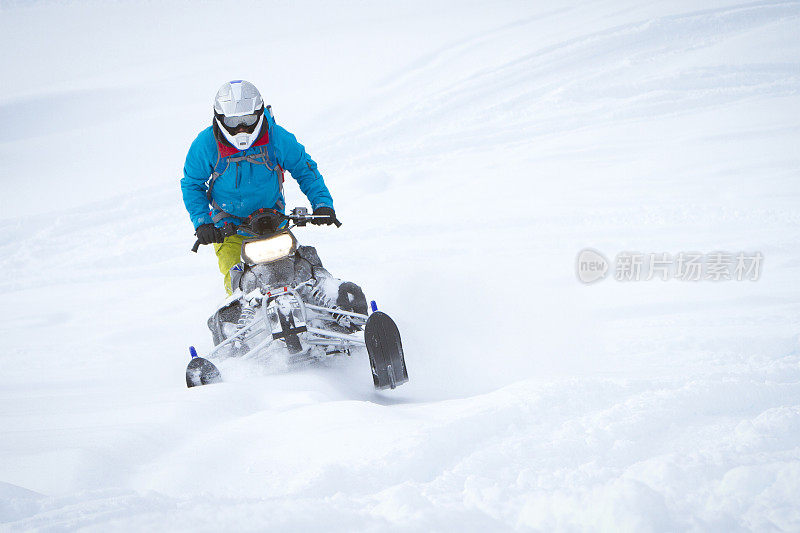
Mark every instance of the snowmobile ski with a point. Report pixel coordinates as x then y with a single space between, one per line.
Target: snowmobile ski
201 371
385 351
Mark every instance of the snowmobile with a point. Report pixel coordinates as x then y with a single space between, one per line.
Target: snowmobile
284 297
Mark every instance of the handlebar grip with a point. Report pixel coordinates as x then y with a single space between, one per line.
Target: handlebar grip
196 246
337 223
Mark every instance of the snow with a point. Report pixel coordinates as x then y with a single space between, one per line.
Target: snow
473 149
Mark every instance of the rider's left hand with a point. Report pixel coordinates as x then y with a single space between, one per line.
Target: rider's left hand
323 210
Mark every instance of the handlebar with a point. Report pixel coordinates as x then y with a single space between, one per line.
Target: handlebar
299 216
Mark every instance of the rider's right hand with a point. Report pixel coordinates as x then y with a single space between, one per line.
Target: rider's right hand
324 211
207 233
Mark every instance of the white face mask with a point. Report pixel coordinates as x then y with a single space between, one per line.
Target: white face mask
242 141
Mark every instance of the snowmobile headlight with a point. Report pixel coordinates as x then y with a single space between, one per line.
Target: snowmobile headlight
260 251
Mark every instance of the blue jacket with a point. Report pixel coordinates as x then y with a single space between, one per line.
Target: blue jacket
245 187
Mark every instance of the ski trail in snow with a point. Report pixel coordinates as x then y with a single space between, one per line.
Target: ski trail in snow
585 449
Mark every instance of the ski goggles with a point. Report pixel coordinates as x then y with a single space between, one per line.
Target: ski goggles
244 120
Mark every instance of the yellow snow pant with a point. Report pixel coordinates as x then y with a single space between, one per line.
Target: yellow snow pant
229 253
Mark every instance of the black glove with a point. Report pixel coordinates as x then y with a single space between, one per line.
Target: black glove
331 218
207 233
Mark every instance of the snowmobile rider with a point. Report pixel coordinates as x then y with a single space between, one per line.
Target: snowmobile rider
236 167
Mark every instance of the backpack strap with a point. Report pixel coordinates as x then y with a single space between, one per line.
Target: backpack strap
219 168
270 149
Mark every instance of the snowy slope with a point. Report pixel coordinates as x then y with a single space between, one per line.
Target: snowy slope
472 149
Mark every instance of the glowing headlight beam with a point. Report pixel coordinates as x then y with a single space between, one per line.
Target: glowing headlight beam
268 250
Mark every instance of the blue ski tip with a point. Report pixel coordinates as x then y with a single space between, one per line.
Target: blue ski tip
373 305
192 352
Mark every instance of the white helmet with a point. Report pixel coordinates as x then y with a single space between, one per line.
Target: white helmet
239 112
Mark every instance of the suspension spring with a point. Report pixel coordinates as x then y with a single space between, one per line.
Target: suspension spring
248 313
321 299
